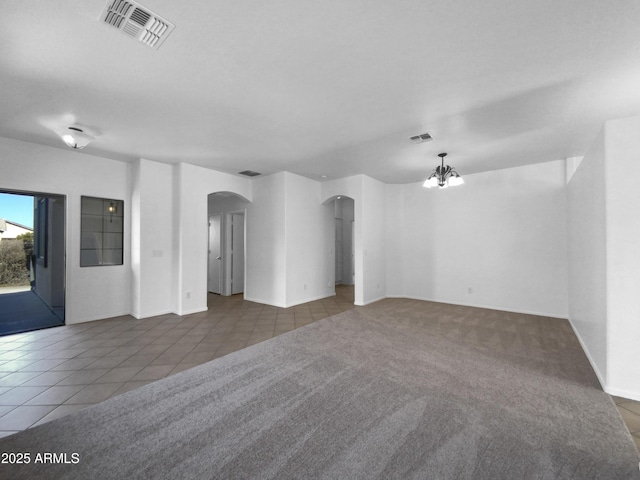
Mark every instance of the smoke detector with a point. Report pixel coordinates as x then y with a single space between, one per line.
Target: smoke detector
425 137
137 22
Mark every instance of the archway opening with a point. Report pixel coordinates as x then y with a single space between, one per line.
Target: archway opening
343 212
226 272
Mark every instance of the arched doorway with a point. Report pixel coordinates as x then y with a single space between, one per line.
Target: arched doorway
343 213
226 253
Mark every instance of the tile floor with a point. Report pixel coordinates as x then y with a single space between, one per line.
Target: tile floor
50 373
630 411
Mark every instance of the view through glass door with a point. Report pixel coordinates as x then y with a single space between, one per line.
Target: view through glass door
32 261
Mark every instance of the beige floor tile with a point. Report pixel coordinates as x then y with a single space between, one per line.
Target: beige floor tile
179 348
632 406
19 395
97 352
630 419
17 378
48 379
119 375
16 365
61 352
94 393
125 351
169 358
23 417
59 412
108 362
282 329
43 365
156 349
138 360
12 355
75 363
84 377
4 409
197 357
208 347
184 366
30 355
55 395
154 372
130 386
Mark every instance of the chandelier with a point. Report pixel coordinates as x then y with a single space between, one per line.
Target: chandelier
443 176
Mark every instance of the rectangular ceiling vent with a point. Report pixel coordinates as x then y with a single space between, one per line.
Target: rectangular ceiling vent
425 137
250 173
136 21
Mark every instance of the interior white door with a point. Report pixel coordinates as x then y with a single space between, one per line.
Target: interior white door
215 255
237 253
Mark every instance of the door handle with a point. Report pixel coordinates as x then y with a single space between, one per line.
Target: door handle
218 258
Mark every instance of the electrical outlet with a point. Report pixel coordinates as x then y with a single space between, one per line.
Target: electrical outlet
188 295
470 290
305 286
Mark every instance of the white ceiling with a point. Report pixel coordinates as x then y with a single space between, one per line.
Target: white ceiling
331 87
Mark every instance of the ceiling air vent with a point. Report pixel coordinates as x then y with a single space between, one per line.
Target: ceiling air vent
425 137
250 173
136 21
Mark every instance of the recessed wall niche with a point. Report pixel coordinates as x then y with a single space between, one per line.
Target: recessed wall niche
102 232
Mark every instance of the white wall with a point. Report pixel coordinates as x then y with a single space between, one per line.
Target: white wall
587 265
192 186
394 239
604 257
373 240
622 171
265 242
502 234
309 242
91 292
288 242
152 247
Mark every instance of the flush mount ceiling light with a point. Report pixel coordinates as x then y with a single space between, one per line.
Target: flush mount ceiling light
443 176
76 137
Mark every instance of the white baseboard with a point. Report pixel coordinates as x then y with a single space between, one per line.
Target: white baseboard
362 304
289 305
189 312
618 392
264 302
69 321
313 299
149 315
601 378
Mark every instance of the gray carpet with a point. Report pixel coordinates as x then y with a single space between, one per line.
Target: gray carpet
397 389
